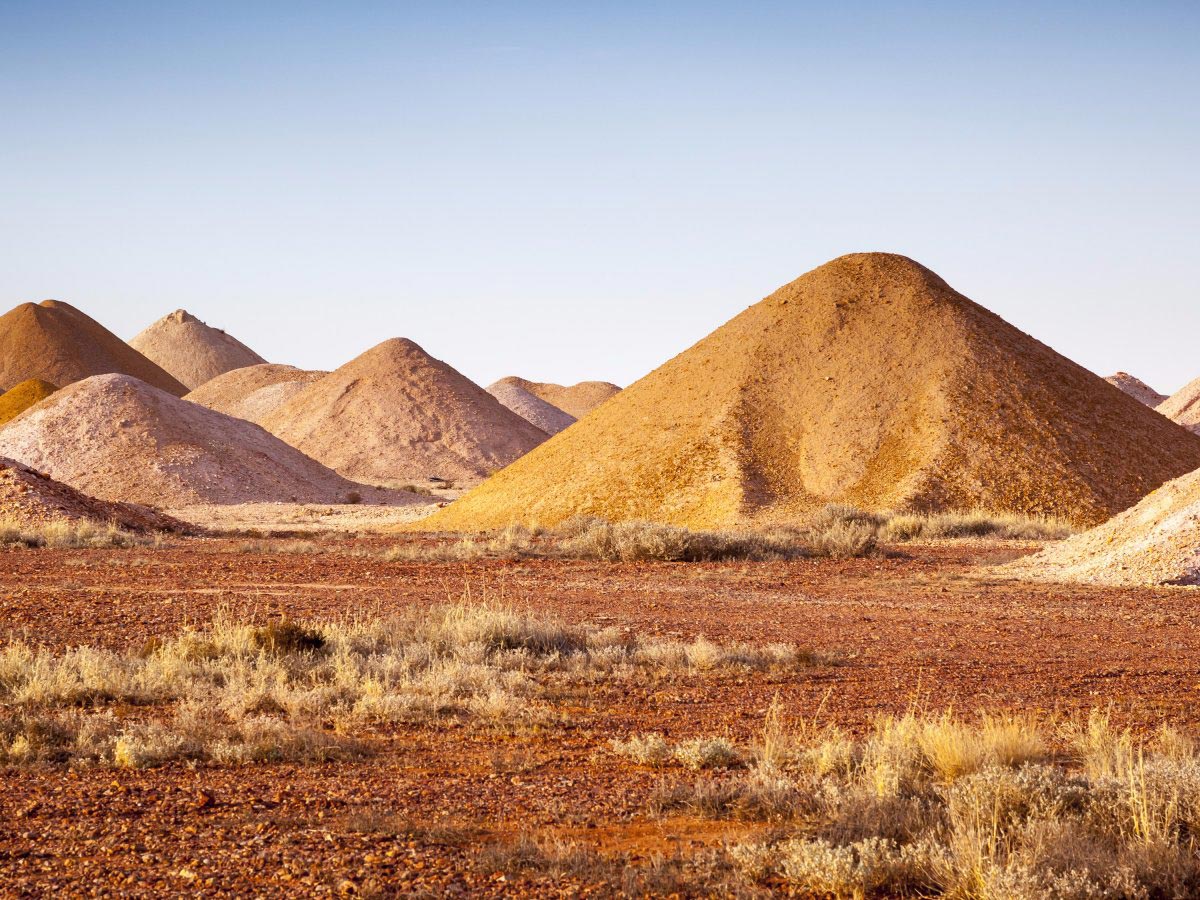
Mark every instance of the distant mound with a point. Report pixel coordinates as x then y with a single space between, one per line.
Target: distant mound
395 414
16 400
118 438
28 499
254 392
1155 542
577 400
868 381
1184 406
530 407
1136 388
191 351
57 343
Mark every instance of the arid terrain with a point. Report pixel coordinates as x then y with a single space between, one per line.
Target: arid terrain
459 803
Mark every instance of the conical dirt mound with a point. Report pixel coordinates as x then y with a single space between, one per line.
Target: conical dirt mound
1136 388
57 343
868 381
16 400
29 498
1184 406
577 399
396 414
118 438
531 408
191 351
254 392
1155 542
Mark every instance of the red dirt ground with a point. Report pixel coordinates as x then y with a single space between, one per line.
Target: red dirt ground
928 627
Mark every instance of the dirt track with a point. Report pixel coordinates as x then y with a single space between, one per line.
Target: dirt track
925 628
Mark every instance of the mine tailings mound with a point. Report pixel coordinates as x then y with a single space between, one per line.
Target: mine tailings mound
191 351
1136 388
1155 542
57 343
17 399
1183 407
868 381
530 407
254 392
395 414
29 498
117 438
577 399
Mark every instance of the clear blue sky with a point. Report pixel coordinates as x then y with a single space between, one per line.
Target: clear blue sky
581 190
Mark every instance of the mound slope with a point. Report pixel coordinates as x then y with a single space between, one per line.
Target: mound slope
1155 542
57 343
1136 388
1184 406
17 399
192 351
395 413
866 381
577 399
530 407
118 438
29 498
253 392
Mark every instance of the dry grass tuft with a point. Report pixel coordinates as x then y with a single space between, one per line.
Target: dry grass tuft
72 534
306 687
840 532
939 806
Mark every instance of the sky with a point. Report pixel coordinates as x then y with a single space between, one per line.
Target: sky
571 191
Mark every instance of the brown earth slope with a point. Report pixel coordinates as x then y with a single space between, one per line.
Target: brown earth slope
29 498
192 351
530 407
57 343
118 438
867 381
397 414
577 399
1184 406
17 399
253 392
1136 388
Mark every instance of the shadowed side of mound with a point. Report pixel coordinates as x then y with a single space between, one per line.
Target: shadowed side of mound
576 400
57 343
118 438
530 407
867 381
29 499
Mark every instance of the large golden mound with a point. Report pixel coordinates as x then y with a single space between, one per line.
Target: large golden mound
57 343
867 381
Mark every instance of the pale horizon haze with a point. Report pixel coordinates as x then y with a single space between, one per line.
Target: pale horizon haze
574 192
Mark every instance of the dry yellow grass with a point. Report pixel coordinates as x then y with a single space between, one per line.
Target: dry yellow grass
307 690
940 806
71 533
837 531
